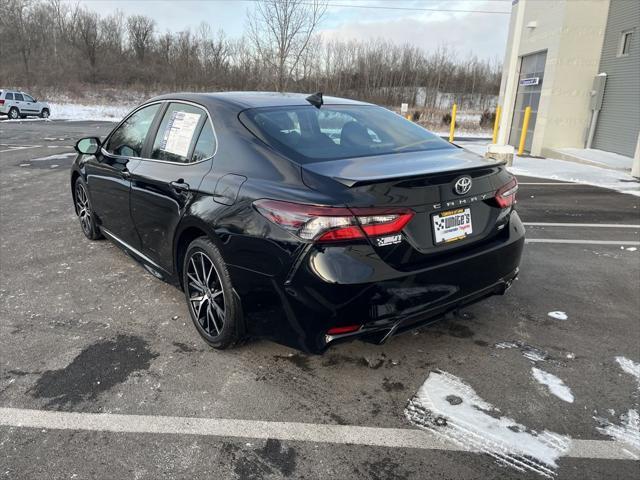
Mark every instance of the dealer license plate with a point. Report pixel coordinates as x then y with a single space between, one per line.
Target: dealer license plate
452 225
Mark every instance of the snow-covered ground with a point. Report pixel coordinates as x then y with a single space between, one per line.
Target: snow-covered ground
599 157
447 406
554 169
555 385
74 111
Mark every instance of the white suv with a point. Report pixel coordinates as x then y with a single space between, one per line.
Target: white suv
20 105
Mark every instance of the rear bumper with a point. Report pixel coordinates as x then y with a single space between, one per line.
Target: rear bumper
349 285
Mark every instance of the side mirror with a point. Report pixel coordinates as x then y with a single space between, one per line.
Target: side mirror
88 146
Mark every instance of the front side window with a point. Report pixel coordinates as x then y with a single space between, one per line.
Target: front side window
19 97
28 98
177 133
128 139
9 96
310 134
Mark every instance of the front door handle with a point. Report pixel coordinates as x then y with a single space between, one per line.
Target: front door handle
179 185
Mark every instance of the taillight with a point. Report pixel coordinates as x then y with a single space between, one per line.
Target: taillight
341 330
1 102
506 195
330 224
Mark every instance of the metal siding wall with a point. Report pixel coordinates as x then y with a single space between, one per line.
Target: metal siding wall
619 121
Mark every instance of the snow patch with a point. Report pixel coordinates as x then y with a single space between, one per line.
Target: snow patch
73 111
554 384
631 249
563 170
558 315
628 430
448 407
630 367
530 352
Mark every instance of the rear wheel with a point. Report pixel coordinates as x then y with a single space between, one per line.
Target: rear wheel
213 306
44 113
84 211
14 113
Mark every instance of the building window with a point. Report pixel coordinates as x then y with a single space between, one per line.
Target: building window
625 43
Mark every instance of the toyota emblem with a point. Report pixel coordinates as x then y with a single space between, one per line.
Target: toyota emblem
463 185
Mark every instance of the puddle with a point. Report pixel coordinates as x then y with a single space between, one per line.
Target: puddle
97 369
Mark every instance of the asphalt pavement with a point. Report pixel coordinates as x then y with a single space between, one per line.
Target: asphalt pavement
102 374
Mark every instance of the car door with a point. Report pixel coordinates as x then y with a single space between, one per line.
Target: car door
163 186
108 174
18 101
30 105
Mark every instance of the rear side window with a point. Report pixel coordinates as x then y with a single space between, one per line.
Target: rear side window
9 96
178 132
128 139
206 144
18 96
310 134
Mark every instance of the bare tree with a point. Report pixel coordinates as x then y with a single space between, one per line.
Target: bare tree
87 39
17 20
140 30
55 45
280 31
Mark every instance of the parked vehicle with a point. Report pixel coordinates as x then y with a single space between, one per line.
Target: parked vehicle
17 104
304 220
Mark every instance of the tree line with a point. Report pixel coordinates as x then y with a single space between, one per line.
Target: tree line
55 44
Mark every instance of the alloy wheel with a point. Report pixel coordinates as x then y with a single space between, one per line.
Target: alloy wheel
206 296
83 208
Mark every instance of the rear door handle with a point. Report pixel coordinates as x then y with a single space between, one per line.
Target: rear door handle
179 185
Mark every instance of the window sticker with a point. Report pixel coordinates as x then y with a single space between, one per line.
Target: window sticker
179 133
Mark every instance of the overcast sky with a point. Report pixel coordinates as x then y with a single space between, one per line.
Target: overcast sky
483 34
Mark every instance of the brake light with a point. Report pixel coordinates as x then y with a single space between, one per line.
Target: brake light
330 224
1 101
506 195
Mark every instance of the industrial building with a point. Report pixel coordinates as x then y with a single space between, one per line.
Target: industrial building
576 63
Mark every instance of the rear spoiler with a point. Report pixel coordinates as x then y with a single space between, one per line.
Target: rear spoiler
354 172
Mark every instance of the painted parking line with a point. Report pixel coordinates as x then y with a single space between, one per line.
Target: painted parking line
581 225
256 429
13 148
583 242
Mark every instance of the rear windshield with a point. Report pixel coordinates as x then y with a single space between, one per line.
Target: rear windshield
310 134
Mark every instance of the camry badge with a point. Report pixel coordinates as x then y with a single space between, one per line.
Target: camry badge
462 185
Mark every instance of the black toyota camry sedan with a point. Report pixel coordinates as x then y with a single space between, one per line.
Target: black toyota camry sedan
301 219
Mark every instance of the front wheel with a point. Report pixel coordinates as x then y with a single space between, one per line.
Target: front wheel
84 211
44 113
212 303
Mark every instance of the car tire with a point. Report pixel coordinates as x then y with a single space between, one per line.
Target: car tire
84 211
211 300
44 113
14 113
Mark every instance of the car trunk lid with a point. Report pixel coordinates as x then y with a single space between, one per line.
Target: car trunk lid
425 183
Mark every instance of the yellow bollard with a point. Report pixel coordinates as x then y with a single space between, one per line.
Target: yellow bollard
525 126
496 124
453 122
